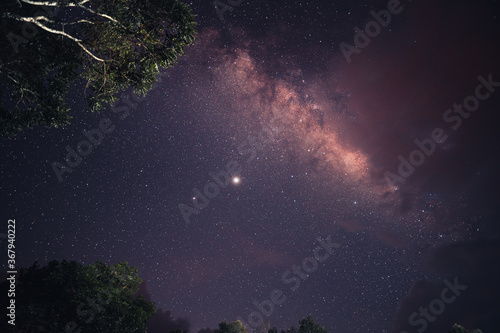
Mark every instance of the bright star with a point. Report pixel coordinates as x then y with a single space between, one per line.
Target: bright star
236 180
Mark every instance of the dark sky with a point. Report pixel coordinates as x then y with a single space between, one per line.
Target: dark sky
311 138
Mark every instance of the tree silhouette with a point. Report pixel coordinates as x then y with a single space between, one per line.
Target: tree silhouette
306 325
459 329
107 46
233 327
69 297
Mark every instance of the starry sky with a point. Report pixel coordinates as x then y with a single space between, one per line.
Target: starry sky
301 133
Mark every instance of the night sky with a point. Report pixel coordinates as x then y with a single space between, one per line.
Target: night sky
303 136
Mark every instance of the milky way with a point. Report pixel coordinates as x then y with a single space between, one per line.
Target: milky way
304 121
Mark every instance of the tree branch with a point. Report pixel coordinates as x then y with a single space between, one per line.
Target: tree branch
76 22
54 3
11 78
44 18
72 4
57 32
101 15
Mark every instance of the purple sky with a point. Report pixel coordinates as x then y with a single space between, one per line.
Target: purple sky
312 138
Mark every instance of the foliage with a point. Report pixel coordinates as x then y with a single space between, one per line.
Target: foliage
69 297
234 327
306 325
108 45
459 329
